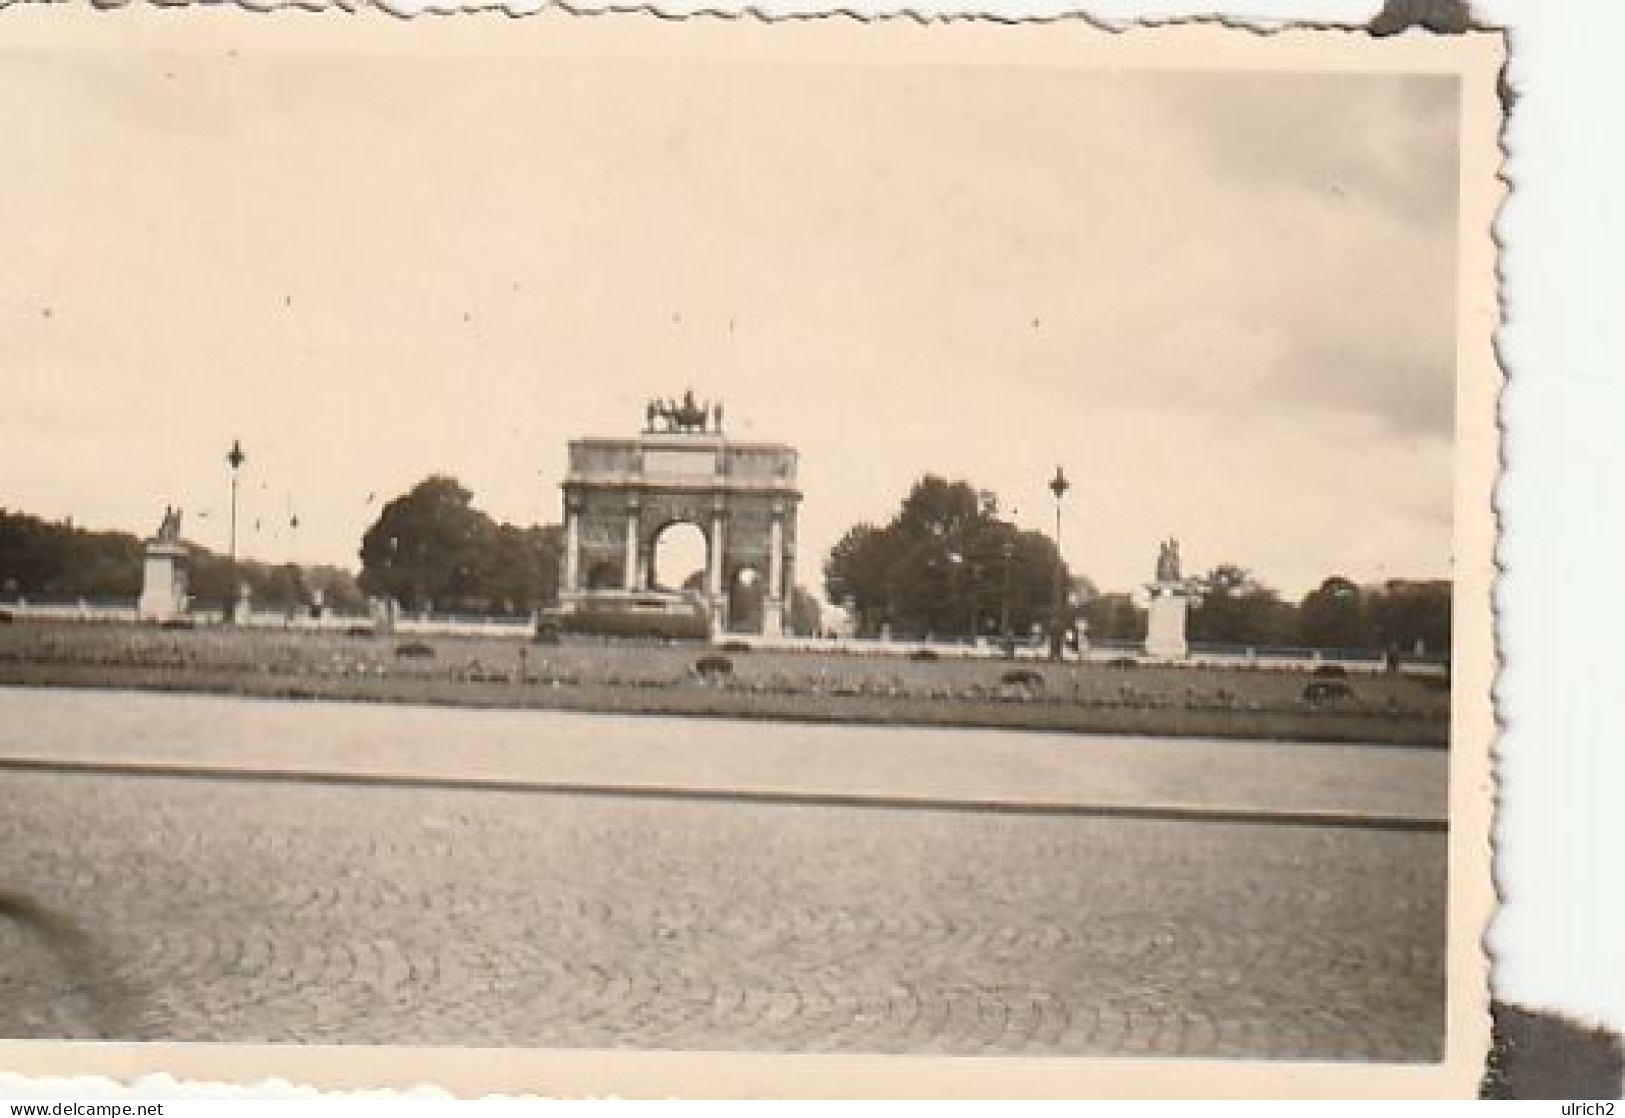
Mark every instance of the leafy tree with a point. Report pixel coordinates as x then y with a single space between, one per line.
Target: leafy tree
806 616
1403 615
520 572
945 565
1114 617
284 588
338 588
1235 608
1033 564
59 561
429 548
99 565
1333 616
936 507
432 549
213 581
210 578
855 573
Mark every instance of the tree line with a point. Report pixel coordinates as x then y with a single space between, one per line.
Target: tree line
431 548
1233 607
945 565
51 561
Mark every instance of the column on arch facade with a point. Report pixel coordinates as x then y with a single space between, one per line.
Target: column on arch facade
775 561
572 547
787 564
714 568
713 574
631 574
773 606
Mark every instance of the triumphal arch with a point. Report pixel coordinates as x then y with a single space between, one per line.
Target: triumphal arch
622 495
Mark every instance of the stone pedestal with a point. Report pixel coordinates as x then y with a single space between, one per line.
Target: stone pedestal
163 582
242 610
1165 631
773 617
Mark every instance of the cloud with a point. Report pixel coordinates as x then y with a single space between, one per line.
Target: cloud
1338 200
1381 142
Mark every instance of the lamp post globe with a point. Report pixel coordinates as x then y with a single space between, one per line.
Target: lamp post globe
1059 485
235 459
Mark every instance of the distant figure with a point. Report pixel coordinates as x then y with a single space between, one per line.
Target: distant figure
716 413
649 416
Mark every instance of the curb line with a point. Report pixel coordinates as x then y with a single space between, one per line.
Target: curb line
1177 813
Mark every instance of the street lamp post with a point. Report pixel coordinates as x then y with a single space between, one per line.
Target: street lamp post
1009 552
235 459
1058 485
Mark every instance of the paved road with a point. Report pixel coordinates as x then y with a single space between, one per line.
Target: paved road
114 728
224 910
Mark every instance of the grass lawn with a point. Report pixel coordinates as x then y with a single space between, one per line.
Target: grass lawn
660 679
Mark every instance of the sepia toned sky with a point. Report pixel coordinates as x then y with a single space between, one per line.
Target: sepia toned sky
1224 302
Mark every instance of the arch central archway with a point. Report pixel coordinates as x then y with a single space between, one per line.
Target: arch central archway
678 557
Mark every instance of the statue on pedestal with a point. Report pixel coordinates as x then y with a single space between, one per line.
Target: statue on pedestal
163 574
1170 601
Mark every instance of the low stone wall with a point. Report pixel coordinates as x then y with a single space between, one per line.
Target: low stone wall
70 611
1297 660
524 628
518 628
300 621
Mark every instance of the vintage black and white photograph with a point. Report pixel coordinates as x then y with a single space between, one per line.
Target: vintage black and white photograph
809 538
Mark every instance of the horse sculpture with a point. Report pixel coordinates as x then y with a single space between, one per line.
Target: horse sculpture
687 416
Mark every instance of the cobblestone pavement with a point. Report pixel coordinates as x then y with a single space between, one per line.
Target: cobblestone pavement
218 910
